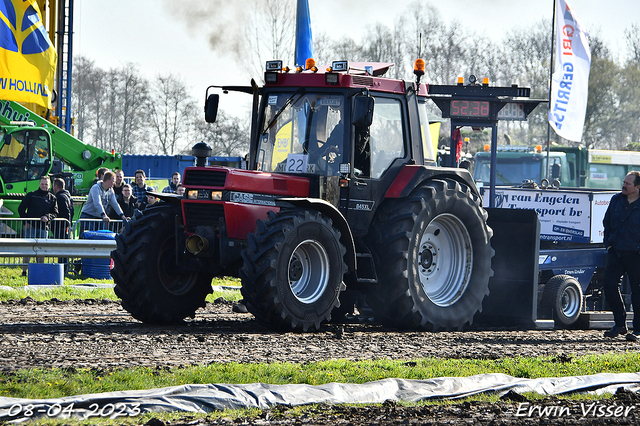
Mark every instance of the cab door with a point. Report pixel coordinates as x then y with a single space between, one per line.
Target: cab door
378 154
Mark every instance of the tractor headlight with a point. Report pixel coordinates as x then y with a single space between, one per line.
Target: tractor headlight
192 194
216 195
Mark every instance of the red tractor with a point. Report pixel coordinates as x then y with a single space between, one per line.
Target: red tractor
342 196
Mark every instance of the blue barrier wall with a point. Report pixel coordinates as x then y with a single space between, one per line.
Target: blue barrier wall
163 166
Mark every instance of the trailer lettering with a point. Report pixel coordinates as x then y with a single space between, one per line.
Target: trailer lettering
552 200
518 197
551 212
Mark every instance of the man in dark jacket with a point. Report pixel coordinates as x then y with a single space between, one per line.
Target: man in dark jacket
622 240
62 226
40 205
65 209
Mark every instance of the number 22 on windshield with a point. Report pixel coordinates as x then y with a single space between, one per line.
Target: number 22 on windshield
296 163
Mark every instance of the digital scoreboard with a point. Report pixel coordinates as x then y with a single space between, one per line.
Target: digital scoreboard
480 105
469 108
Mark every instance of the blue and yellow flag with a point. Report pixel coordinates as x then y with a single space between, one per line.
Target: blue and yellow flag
27 57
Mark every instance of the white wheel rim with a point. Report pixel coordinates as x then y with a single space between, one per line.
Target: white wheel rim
445 259
308 271
570 302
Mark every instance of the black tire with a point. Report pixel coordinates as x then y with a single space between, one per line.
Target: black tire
562 300
433 255
293 270
153 288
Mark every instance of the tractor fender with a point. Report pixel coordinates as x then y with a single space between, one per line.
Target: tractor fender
169 198
411 176
339 221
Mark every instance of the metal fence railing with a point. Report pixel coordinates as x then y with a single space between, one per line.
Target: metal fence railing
24 241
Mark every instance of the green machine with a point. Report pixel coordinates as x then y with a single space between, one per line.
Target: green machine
31 147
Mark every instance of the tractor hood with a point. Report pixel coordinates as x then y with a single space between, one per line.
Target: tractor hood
250 181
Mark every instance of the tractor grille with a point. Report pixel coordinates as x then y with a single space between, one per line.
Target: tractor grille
202 214
362 81
205 178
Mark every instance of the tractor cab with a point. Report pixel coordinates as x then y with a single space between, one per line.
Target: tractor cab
344 127
25 155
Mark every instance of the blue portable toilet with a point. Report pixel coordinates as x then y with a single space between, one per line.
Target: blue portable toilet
97 268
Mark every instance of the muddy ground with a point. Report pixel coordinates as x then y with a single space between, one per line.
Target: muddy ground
99 334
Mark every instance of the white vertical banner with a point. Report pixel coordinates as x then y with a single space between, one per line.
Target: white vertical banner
570 81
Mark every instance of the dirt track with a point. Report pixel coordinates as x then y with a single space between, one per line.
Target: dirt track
99 334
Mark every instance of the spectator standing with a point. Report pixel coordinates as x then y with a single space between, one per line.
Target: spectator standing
65 211
180 189
118 185
139 190
622 240
41 205
100 196
99 175
128 203
173 185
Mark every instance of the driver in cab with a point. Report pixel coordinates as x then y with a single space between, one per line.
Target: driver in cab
326 155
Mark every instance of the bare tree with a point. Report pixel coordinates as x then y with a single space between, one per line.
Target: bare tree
170 109
269 34
604 116
84 69
227 136
633 43
524 60
133 94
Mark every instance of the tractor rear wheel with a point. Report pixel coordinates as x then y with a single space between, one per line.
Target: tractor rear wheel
433 255
153 287
293 269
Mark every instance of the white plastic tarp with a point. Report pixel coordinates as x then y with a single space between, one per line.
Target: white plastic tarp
207 398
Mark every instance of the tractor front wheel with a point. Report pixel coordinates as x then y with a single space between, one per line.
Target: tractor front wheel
293 269
153 286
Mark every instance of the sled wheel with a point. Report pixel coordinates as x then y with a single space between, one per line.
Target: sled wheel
562 297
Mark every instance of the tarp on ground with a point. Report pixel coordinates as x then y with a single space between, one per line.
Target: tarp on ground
212 397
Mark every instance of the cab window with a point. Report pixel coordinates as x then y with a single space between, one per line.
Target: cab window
386 135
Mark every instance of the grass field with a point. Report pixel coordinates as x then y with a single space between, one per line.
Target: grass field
54 383
50 383
17 288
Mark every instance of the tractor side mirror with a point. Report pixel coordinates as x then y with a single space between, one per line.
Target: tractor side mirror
211 108
362 111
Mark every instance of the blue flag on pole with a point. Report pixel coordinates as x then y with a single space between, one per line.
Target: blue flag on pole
304 40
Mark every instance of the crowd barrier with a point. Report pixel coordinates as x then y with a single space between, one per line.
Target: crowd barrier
24 241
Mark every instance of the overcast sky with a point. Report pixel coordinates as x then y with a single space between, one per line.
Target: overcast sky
154 35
